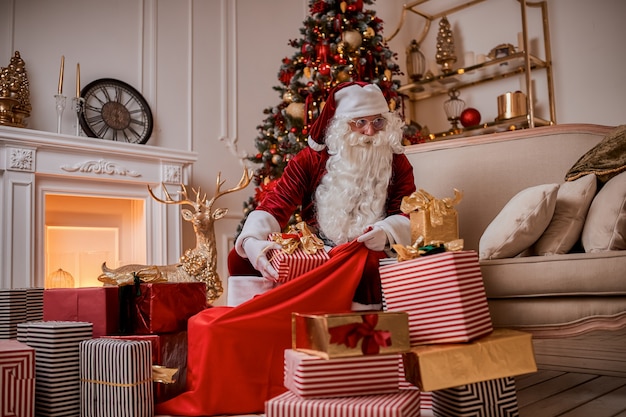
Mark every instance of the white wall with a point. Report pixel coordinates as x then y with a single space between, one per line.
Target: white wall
207 67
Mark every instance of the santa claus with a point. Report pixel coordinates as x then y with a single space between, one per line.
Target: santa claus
349 184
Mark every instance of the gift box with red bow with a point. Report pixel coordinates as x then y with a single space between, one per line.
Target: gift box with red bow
350 334
301 251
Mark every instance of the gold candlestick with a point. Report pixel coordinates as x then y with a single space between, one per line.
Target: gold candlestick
60 88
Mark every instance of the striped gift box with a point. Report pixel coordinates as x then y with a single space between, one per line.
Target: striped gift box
310 376
57 382
405 403
494 398
17 379
290 266
443 294
116 378
12 311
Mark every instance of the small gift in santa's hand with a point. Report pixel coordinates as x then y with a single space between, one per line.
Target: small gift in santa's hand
301 252
433 220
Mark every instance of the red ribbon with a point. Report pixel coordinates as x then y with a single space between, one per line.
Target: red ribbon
291 235
350 334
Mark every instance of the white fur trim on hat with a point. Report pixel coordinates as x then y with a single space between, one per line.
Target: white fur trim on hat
314 145
360 101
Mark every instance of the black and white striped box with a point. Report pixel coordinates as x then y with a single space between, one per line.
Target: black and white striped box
116 378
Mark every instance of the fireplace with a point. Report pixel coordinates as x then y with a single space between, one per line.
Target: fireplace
72 203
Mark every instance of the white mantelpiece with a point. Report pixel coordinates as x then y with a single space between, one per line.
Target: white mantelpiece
34 164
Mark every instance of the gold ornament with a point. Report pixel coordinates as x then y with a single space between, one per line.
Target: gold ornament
343 6
307 72
388 74
352 39
288 96
369 33
343 76
296 110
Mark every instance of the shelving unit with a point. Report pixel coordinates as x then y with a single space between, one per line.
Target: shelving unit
517 64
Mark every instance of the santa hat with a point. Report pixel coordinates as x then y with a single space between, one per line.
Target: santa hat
351 99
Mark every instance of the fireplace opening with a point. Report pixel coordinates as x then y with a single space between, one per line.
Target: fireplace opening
83 232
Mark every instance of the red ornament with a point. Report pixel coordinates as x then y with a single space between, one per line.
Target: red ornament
469 117
324 68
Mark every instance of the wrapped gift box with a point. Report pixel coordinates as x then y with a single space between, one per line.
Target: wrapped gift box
17 379
165 307
494 398
350 334
12 311
310 376
57 367
443 294
116 378
290 266
404 403
503 353
421 225
97 305
168 350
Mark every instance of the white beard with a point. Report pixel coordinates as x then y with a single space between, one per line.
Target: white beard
352 195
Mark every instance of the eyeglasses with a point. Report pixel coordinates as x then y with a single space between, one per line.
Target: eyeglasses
378 123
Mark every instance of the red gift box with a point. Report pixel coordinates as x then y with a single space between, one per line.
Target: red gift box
168 350
97 305
290 266
310 376
17 379
165 307
405 403
443 294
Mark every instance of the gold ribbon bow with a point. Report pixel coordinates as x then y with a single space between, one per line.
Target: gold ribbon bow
437 208
406 253
298 235
163 375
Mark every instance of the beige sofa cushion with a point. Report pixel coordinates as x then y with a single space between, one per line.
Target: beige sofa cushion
605 226
574 274
520 223
572 203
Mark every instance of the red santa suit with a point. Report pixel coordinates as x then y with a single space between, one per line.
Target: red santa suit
296 187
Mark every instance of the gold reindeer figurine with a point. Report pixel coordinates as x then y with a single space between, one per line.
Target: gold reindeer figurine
197 264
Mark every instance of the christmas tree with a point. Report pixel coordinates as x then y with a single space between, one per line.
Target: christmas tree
341 41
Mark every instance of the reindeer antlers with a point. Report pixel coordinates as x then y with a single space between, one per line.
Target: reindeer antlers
243 183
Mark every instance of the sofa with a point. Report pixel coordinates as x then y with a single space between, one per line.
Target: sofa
558 295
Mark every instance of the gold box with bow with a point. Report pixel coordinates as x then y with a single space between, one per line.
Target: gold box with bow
433 220
339 335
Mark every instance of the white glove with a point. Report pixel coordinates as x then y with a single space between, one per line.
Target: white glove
256 251
375 239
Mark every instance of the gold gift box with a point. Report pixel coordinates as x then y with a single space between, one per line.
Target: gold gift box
340 335
502 354
421 225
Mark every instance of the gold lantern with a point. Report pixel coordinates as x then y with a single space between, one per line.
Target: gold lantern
415 61
60 279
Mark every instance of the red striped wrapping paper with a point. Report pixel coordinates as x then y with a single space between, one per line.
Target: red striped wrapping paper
443 294
17 379
296 264
405 403
310 376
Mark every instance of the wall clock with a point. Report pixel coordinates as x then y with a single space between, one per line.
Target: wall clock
115 111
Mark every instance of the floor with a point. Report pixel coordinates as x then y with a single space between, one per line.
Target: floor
583 376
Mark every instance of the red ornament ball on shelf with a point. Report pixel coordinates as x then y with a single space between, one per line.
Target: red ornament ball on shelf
469 117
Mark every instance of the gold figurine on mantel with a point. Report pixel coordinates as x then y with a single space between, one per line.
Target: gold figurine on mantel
15 104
